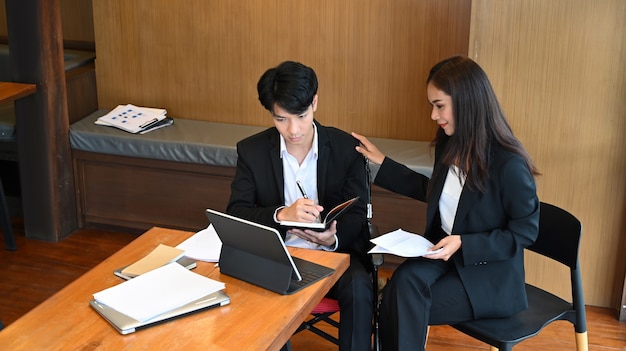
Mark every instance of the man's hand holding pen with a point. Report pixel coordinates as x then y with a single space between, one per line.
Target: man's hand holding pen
303 210
307 210
308 204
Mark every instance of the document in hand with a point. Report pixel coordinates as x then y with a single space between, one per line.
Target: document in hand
332 215
158 291
402 243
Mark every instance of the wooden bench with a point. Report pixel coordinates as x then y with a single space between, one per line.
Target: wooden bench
169 176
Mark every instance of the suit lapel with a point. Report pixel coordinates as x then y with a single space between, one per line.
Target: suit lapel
323 156
466 201
435 195
277 163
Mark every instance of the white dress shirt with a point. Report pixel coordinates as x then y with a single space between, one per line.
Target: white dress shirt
306 174
449 200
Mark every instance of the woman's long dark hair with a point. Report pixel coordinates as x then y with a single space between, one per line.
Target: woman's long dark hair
479 121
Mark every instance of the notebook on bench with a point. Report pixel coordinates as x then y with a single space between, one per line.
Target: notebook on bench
257 254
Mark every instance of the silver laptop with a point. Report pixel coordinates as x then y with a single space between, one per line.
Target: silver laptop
126 325
257 254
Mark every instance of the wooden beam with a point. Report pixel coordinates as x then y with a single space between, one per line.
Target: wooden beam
36 46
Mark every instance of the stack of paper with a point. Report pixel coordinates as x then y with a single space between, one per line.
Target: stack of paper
160 256
402 243
158 291
134 119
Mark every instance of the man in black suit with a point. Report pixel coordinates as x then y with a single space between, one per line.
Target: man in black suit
297 171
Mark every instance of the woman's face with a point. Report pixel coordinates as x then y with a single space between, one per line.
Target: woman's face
442 109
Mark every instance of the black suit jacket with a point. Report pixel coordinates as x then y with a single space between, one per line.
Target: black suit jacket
257 190
495 227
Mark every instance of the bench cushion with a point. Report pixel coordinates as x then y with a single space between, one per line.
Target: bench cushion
185 141
210 143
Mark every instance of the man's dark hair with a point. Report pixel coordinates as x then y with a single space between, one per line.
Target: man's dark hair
290 85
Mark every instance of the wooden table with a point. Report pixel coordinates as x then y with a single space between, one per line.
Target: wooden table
256 319
10 91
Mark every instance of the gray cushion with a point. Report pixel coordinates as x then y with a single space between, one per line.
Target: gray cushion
184 141
210 143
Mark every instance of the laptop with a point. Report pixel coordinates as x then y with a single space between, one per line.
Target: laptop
257 254
127 325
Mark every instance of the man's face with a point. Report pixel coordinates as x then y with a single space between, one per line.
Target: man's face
297 129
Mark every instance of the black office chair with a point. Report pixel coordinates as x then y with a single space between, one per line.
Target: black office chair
559 239
327 307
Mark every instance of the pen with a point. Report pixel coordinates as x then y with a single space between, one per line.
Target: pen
301 189
149 122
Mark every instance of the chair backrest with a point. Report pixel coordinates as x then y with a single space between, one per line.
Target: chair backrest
559 239
559 235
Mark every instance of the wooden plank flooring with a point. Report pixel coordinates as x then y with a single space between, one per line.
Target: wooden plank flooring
38 269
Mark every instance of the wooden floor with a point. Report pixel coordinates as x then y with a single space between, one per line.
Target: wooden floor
38 269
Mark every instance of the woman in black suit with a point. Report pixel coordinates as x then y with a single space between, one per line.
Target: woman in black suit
482 212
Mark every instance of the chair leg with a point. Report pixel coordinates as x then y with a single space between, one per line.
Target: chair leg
582 344
375 330
310 326
286 347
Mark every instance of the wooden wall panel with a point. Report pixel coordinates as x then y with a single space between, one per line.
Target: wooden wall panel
558 68
76 17
201 60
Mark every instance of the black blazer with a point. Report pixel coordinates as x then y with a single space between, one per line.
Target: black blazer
257 190
495 227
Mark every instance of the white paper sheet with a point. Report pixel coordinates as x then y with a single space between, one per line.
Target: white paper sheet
158 291
402 243
205 245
